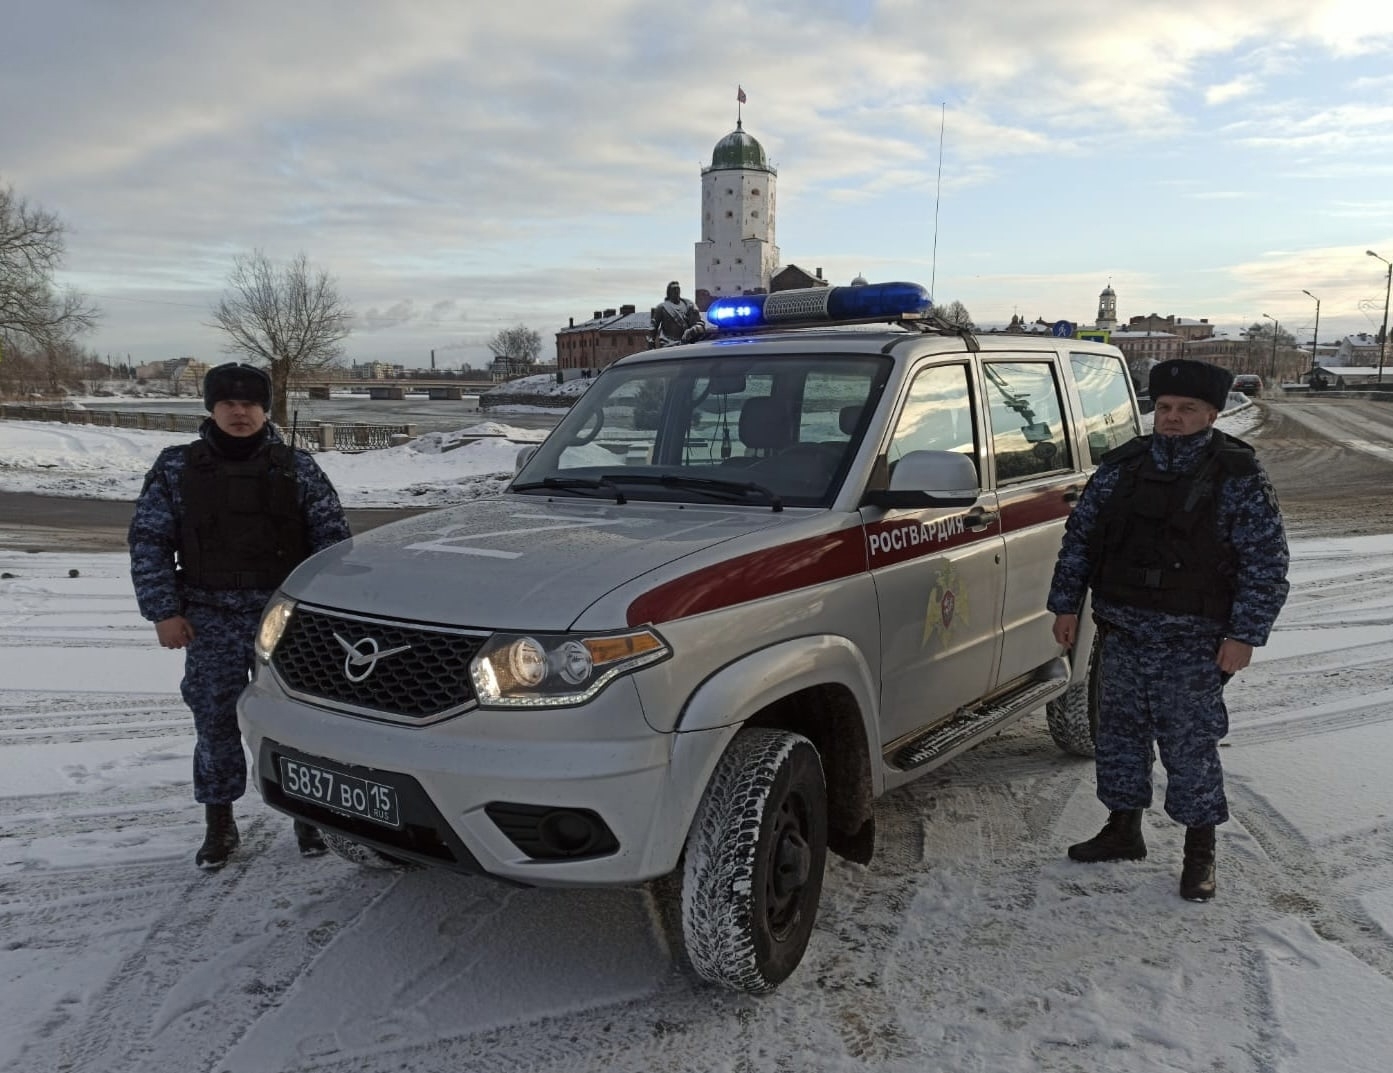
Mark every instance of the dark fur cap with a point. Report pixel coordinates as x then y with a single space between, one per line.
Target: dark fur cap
236 381
1192 379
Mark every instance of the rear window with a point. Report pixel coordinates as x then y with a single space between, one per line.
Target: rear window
1109 418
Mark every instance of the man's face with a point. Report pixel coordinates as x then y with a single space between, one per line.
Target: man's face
237 417
1180 415
674 293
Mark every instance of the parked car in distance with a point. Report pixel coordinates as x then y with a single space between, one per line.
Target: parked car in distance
1249 384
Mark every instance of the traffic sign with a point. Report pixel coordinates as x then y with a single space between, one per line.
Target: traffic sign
1062 329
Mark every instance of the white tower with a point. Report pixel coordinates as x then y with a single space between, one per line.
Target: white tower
1107 309
736 254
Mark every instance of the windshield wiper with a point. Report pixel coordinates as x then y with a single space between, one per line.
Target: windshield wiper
574 484
716 486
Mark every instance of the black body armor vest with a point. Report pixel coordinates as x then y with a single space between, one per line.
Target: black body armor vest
242 525
1157 543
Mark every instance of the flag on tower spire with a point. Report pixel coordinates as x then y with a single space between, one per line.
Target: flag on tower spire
739 95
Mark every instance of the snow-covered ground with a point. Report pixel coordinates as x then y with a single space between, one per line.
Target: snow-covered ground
436 469
969 945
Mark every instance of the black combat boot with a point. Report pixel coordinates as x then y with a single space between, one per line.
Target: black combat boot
1197 876
221 839
310 841
1119 840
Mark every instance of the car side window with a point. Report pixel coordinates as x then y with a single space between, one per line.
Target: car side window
1109 419
1029 436
937 415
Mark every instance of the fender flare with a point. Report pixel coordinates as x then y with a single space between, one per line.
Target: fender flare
739 690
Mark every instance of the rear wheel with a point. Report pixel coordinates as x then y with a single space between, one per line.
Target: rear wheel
1073 718
364 856
752 878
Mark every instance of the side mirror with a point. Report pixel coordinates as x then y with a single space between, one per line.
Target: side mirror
524 455
928 479
1036 433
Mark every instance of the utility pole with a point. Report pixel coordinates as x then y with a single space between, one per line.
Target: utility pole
1315 336
1383 336
1276 327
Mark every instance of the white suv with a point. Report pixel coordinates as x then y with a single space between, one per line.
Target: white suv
744 588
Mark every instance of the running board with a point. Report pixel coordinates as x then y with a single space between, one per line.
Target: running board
964 728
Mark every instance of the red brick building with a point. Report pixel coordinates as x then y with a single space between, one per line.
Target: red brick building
609 334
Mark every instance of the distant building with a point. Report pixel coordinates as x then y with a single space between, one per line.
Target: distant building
793 278
737 253
185 375
1183 327
1359 350
1107 310
377 370
608 335
1142 350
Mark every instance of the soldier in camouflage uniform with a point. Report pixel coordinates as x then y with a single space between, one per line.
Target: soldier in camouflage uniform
218 526
1180 538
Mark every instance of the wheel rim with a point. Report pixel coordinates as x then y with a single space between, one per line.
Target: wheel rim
789 866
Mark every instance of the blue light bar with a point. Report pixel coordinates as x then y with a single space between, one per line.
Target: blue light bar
747 311
820 305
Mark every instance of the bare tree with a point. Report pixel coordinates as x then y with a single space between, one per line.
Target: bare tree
31 250
290 317
956 314
521 344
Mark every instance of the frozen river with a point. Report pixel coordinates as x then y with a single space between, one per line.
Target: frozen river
429 415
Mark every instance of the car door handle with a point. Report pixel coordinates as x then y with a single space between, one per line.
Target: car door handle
978 519
1072 493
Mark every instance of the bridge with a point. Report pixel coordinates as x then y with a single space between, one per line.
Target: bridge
396 388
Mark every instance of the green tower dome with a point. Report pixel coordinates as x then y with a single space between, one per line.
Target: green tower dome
739 150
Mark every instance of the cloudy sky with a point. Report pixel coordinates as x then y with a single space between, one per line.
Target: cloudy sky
461 167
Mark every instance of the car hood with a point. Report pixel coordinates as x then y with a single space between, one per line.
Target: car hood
512 561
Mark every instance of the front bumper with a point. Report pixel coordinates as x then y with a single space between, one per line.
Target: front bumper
452 777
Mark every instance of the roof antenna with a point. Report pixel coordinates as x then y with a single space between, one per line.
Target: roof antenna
938 190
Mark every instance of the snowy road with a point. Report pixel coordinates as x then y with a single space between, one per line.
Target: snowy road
969 944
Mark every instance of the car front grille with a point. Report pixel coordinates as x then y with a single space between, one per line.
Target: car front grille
400 671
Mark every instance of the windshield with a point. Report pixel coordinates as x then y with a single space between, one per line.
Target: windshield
778 430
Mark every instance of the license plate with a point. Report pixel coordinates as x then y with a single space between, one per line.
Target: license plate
339 791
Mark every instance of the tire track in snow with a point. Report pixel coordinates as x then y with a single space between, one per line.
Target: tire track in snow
1296 883
195 982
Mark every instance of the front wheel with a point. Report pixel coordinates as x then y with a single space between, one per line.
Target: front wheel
1073 718
754 862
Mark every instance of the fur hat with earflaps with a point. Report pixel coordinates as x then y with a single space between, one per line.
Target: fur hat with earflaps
236 381
1192 379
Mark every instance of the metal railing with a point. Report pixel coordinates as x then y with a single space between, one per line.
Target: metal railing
317 437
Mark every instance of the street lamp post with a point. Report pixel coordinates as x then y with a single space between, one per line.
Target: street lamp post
1276 327
1315 336
1387 287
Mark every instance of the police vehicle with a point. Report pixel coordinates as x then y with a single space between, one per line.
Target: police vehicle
744 588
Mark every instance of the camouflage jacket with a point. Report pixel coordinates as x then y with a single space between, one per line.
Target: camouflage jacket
1249 521
155 528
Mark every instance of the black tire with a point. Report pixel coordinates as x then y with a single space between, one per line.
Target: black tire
754 862
361 855
1073 718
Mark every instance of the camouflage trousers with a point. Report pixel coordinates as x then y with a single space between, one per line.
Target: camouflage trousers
1171 692
217 666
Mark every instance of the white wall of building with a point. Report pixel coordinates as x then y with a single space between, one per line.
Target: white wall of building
737 251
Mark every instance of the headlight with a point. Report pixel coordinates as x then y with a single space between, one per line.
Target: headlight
274 620
539 671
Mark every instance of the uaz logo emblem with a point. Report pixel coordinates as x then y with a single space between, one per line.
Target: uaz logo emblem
360 657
